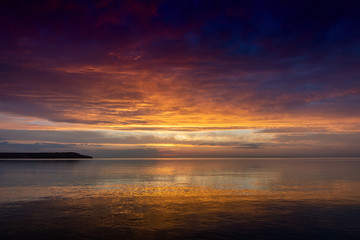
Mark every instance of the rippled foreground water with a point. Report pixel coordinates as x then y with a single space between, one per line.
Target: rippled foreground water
181 199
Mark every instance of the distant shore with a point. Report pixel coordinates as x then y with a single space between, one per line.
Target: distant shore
19 155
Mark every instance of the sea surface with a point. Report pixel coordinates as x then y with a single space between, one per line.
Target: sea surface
270 198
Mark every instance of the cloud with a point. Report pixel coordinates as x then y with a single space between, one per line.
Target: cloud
293 130
209 138
180 66
321 138
250 146
129 153
19 147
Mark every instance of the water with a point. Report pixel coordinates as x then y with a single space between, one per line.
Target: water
181 199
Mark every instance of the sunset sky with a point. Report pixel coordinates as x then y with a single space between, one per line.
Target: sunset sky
180 78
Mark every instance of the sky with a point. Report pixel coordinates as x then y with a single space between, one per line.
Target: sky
180 78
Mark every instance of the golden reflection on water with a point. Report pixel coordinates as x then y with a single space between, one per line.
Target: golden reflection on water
170 207
338 190
182 180
144 212
152 197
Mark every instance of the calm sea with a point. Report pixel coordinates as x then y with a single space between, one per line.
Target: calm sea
181 199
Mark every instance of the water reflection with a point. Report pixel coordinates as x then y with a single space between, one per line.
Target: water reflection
274 176
210 199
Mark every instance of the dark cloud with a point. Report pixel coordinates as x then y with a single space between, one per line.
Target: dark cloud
250 146
321 138
129 153
20 147
54 136
293 130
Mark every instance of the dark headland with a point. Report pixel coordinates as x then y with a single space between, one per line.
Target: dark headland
42 155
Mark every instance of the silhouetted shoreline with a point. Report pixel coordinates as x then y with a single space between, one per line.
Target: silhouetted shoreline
7 155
